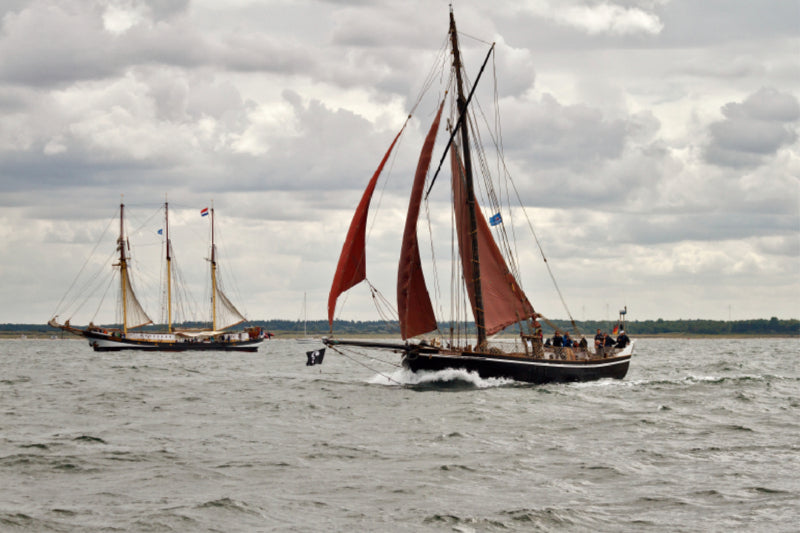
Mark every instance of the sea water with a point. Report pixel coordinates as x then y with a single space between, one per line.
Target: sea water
702 435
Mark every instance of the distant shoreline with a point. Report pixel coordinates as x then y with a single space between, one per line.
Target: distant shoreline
289 335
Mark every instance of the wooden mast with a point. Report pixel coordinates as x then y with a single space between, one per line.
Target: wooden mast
123 269
169 267
213 275
480 322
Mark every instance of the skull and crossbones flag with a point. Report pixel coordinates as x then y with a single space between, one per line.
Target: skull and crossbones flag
315 357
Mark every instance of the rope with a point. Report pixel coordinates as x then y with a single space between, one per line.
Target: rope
72 285
340 352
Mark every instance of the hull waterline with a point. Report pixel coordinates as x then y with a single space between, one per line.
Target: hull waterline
508 366
106 343
528 370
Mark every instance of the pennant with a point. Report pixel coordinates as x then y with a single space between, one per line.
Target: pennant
315 357
204 212
495 219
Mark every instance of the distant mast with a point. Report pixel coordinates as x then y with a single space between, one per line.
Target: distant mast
123 268
169 266
213 275
480 322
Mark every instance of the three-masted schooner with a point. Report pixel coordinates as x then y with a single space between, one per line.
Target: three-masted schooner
495 296
129 336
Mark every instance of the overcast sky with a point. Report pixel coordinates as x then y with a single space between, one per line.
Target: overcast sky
655 143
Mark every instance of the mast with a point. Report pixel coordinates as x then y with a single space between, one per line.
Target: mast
123 269
169 268
213 275
480 323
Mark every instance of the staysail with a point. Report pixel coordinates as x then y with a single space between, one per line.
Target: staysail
504 303
413 301
352 266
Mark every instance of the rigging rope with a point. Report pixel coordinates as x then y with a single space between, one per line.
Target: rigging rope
108 225
340 352
547 264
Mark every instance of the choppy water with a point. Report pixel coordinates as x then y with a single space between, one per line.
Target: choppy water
702 435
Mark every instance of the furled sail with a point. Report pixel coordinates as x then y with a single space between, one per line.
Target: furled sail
503 300
352 266
226 313
413 301
134 315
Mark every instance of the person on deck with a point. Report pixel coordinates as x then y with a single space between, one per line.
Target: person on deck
622 340
567 340
608 345
558 340
599 340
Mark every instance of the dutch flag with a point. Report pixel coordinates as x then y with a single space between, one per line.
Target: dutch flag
204 212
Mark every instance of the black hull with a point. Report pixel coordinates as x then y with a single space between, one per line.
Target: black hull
515 367
528 370
106 343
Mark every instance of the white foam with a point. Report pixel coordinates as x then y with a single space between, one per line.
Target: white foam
403 376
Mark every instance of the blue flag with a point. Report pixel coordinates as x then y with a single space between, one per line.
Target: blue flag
495 219
161 232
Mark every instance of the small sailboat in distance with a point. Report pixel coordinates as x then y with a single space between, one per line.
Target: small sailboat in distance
487 277
128 333
305 339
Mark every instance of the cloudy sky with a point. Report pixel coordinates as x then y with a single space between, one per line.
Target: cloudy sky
655 143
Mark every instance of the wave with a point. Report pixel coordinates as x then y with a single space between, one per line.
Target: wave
447 379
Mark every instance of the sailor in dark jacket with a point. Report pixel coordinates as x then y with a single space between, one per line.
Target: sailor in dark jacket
558 340
622 340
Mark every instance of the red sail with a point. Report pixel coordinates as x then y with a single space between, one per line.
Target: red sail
352 267
413 302
503 300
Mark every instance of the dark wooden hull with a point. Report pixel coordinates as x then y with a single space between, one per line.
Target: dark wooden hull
509 366
101 342
525 369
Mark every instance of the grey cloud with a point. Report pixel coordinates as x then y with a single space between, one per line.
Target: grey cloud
44 45
164 9
753 129
552 134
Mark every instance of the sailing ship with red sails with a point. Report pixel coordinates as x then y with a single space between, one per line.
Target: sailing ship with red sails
489 275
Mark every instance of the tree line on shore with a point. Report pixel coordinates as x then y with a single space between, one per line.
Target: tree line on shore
762 327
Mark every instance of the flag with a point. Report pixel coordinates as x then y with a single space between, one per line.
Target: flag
204 212
161 232
616 329
315 357
495 219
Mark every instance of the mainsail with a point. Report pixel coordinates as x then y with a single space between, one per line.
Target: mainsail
223 313
352 266
226 314
133 314
413 301
504 303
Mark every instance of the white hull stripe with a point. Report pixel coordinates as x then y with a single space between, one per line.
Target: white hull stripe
150 345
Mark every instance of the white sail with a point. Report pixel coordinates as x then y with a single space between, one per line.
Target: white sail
134 315
226 313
